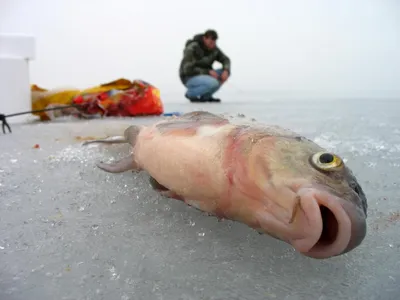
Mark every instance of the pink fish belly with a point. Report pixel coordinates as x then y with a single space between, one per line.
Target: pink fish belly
191 165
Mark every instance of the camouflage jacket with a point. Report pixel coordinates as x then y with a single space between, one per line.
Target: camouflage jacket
197 59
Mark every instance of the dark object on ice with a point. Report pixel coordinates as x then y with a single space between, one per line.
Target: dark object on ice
4 123
3 118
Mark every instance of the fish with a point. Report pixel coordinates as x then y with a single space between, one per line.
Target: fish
269 178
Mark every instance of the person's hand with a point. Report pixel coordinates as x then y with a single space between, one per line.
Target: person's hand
214 74
224 76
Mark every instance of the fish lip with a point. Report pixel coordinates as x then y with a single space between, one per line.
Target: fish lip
351 224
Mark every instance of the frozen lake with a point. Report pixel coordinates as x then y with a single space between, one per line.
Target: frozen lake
71 231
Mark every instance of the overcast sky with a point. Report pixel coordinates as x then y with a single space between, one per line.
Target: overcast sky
323 48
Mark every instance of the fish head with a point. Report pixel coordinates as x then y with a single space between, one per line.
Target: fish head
311 199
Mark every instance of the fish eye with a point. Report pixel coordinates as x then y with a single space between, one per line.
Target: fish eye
326 161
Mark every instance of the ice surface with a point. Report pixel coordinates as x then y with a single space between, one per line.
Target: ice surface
71 231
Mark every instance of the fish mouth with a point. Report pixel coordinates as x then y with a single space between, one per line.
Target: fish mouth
326 225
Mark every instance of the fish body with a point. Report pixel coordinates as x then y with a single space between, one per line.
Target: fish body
269 178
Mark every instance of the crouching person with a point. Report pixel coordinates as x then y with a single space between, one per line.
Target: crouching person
196 71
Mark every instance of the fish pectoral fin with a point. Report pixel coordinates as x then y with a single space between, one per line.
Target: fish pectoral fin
164 191
125 164
156 185
172 195
109 140
130 135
